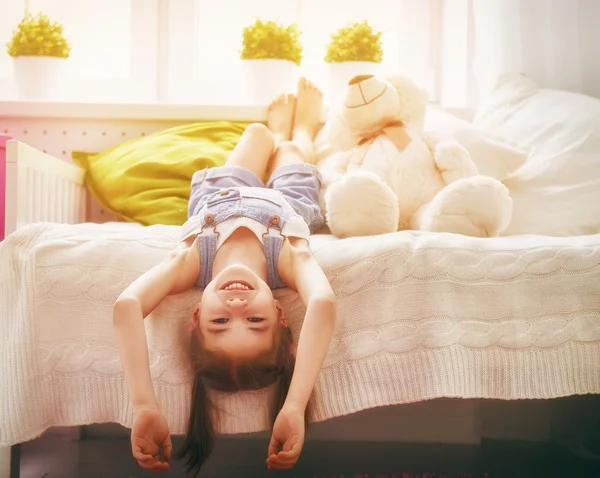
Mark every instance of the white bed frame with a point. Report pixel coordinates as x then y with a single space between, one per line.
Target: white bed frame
41 187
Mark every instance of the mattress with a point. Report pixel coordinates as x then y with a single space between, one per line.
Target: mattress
421 316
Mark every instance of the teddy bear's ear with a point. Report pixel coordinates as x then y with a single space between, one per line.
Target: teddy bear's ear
413 100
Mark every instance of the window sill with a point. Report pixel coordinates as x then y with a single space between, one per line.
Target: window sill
131 111
150 111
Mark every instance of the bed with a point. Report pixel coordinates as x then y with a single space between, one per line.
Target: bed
422 316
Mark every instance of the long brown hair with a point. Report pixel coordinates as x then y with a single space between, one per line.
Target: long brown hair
216 372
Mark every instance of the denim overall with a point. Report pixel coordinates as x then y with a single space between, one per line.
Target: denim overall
267 206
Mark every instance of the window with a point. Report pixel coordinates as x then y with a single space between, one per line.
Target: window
187 51
215 39
114 44
219 33
401 22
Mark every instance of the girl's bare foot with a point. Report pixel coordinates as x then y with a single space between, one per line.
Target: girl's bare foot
309 109
280 117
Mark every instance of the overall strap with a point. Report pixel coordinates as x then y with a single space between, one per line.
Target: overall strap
207 250
272 245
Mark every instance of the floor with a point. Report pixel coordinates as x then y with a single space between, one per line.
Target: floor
64 457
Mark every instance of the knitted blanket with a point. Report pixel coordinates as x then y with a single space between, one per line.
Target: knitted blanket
421 316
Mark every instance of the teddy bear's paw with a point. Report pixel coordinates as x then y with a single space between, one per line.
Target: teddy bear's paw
479 206
361 204
453 161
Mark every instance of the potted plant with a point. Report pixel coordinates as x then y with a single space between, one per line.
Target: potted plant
39 53
353 50
271 54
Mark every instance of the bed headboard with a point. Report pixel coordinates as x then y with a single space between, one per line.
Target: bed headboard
58 129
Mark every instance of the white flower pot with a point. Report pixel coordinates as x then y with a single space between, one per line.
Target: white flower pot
265 80
39 77
339 74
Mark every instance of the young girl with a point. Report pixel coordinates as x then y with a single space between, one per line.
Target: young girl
241 240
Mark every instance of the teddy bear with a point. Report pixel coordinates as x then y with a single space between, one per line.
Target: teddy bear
381 173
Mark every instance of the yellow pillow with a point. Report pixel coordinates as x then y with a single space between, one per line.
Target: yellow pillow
147 180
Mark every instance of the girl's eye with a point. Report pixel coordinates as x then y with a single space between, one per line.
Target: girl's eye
255 319
220 321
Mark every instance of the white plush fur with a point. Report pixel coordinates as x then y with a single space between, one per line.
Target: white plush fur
426 186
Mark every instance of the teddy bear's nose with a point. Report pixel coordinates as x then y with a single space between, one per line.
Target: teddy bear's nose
359 79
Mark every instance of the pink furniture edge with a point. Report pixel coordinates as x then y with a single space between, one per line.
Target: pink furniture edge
3 139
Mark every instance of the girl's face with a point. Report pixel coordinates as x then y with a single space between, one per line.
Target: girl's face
238 314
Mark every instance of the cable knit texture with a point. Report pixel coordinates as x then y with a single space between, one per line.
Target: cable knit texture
421 316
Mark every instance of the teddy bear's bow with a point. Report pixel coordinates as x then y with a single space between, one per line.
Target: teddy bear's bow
394 130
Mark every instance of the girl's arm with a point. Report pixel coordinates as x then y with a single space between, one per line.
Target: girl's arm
176 274
319 322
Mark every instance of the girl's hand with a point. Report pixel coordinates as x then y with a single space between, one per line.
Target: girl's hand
149 434
287 438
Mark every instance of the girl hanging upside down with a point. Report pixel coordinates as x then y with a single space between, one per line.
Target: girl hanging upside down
242 240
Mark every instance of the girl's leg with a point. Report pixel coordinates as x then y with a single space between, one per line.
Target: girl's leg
307 117
286 153
256 145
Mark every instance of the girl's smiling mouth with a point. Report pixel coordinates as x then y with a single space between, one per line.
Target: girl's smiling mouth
236 285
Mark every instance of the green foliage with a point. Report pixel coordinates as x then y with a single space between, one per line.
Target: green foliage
271 40
38 36
355 42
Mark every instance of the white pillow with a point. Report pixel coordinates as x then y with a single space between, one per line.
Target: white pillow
493 155
557 191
